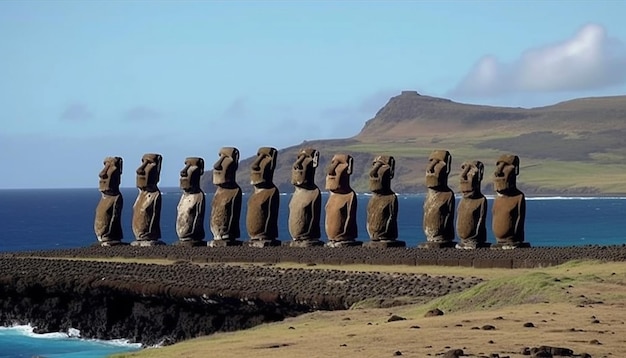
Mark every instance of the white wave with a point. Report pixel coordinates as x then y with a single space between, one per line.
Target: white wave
27 330
72 333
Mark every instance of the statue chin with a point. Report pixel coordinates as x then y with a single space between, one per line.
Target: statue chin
376 186
502 186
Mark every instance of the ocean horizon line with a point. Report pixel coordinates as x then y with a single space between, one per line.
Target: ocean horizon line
170 190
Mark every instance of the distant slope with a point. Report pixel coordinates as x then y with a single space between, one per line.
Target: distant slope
573 147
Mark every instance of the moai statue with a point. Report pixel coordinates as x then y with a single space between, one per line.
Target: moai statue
192 204
472 210
439 202
382 208
305 207
262 214
108 222
509 205
226 204
341 225
147 207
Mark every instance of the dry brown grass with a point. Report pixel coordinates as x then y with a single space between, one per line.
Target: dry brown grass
562 302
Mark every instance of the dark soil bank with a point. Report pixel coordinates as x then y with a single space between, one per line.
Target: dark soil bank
154 304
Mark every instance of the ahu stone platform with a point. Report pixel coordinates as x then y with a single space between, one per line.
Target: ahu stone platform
479 258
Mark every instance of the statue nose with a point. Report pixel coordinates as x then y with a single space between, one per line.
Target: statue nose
431 167
375 169
142 169
332 168
499 170
464 173
298 164
218 164
256 165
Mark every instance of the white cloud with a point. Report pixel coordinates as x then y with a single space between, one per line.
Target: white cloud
588 60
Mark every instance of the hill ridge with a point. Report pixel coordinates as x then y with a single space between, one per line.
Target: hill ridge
563 147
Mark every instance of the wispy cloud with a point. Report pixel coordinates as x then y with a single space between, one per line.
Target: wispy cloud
238 109
142 113
76 112
588 60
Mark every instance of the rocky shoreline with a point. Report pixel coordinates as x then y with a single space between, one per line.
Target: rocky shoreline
207 290
162 304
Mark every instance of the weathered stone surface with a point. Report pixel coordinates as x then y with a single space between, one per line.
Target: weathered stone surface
263 204
382 208
226 203
438 220
341 222
108 220
305 206
192 205
472 210
509 205
147 207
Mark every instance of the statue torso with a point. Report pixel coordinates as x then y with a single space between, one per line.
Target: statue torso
225 213
341 216
262 215
190 216
508 218
108 223
471 217
382 221
438 220
147 215
304 214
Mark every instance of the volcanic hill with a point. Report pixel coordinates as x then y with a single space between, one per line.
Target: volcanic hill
576 147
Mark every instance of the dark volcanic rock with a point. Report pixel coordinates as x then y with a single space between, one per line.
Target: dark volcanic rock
152 303
434 312
201 293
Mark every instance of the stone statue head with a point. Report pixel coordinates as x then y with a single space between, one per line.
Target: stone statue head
471 177
225 169
438 168
191 173
148 173
505 176
303 170
262 168
111 176
338 173
383 168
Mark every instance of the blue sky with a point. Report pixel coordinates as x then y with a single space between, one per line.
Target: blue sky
82 80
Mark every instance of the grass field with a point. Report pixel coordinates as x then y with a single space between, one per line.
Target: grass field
579 305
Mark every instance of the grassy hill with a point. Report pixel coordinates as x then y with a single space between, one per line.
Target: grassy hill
573 147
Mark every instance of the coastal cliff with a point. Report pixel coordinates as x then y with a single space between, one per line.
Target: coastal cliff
111 309
162 304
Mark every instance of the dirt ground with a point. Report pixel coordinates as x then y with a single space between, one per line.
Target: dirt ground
587 315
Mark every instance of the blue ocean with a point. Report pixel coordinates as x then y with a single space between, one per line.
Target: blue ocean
39 219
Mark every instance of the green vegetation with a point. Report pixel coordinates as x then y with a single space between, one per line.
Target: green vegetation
534 287
574 147
556 299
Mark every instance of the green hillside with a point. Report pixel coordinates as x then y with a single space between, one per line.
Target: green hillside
573 147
